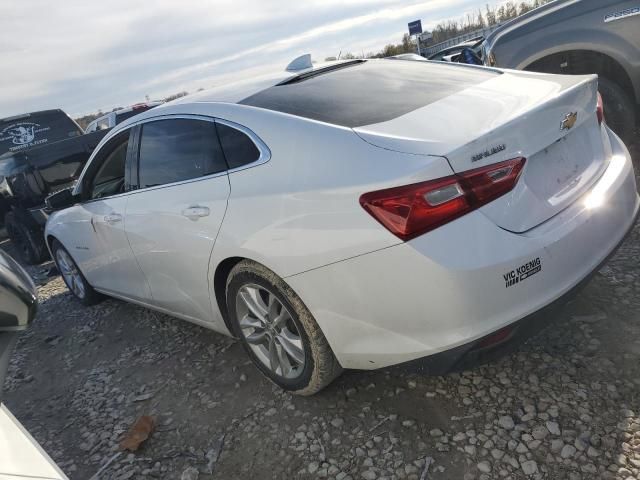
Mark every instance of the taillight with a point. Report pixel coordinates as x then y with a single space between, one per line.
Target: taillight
412 210
600 109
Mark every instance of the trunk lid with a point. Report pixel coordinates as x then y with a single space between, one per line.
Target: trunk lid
548 119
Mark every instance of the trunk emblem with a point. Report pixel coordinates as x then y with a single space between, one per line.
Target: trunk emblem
569 121
489 152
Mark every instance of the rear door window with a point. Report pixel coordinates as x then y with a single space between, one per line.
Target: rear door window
239 149
178 149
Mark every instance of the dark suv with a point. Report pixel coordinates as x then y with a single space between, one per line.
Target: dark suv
579 37
40 153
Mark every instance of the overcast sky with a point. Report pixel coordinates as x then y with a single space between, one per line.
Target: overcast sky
83 55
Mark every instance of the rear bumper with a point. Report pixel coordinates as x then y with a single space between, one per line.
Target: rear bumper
506 340
454 286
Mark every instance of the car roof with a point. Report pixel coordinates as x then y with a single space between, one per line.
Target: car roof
232 93
327 97
23 116
138 105
407 56
128 109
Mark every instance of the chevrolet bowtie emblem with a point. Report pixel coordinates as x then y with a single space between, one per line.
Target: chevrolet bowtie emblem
569 121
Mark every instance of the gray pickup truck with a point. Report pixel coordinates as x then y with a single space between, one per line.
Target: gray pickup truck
578 37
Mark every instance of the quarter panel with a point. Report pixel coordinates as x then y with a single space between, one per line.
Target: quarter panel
301 209
448 287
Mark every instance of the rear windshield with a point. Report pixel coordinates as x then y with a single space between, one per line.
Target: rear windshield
369 92
24 131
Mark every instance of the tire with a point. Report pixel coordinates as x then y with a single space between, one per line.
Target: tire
28 242
73 278
288 324
619 110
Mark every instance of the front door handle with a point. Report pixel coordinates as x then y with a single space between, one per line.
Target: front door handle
196 212
113 218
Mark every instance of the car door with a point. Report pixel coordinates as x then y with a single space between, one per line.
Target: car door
94 231
173 219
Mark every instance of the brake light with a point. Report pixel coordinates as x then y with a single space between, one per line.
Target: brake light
600 109
412 210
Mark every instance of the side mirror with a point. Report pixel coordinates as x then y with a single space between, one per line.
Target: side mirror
18 299
62 199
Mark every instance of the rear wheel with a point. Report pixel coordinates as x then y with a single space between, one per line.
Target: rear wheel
72 276
277 331
619 110
28 242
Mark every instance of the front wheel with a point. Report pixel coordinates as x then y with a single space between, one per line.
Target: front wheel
277 330
28 241
72 276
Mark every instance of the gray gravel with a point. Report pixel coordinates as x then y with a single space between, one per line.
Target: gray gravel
565 405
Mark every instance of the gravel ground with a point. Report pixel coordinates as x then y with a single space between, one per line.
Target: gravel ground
565 405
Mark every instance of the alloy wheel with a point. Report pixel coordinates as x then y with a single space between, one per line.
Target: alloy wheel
270 331
70 273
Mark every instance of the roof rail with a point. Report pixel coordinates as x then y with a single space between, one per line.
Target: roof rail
301 63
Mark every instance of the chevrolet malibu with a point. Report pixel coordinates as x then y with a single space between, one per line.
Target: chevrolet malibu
355 215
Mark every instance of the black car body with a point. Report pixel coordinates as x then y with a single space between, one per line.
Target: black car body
40 153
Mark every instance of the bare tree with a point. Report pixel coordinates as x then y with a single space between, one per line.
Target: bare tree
524 8
510 10
480 22
490 15
469 23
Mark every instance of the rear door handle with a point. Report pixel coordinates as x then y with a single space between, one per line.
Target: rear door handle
113 218
196 212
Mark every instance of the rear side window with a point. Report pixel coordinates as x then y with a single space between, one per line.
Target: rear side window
176 150
239 149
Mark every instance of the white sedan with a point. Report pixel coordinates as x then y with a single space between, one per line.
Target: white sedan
357 215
